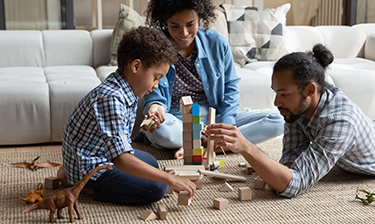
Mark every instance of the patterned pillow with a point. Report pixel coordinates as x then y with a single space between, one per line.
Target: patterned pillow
256 34
127 19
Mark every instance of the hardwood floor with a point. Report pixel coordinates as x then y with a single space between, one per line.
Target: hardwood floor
30 148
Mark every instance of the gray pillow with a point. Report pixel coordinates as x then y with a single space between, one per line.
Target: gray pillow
127 19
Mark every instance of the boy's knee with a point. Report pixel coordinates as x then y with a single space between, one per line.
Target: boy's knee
158 193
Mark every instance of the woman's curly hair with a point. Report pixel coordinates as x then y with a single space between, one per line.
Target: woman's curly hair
147 44
159 11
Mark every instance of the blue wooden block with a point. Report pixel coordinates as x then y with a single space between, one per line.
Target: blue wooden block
197 135
197 127
195 110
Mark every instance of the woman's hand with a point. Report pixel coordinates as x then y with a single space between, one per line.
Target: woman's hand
158 112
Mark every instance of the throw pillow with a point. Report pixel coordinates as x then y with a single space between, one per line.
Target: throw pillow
127 19
256 34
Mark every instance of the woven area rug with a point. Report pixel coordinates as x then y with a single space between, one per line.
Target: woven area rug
329 201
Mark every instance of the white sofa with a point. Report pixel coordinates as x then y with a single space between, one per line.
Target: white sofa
43 74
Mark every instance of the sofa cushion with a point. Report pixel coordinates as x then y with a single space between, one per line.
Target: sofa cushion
67 86
24 106
104 71
256 34
101 39
67 47
303 38
21 48
127 19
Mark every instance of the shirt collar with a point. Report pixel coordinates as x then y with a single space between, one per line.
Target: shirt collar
129 94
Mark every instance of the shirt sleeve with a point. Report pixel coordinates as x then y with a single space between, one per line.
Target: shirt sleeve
113 120
331 142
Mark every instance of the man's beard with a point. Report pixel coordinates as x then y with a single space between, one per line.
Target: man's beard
302 108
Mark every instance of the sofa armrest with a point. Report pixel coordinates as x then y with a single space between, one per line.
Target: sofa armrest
101 40
369 52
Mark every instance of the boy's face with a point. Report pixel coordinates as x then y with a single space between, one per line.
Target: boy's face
148 78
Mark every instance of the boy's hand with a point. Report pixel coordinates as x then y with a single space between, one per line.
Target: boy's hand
227 136
159 112
182 184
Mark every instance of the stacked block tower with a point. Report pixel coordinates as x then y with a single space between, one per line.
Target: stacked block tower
192 127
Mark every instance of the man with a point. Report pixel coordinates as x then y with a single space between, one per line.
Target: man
323 128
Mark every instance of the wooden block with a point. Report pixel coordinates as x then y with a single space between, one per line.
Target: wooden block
186 100
244 193
186 109
249 169
195 111
148 215
190 176
197 135
162 211
187 136
210 143
183 167
188 152
188 127
183 198
221 203
51 183
188 160
197 127
187 118
242 164
169 190
198 158
198 151
198 183
222 175
259 183
226 187
187 144
196 119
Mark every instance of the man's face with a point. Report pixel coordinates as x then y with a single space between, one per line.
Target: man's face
290 100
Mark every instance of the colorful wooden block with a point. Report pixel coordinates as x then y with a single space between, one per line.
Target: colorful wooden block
198 158
197 135
196 119
197 144
195 110
245 193
198 152
198 127
221 203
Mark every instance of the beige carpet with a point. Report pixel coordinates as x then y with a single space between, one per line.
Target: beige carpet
329 201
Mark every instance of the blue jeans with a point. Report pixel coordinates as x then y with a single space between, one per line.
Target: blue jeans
256 126
118 187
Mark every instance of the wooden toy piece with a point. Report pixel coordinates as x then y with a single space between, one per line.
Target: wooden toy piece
162 211
210 143
190 175
242 164
183 167
186 101
222 175
52 183
249 169
259 183
226 187
221 203
183 198
245 193
66 198
35 165
198 183
148 215
169 190
148 123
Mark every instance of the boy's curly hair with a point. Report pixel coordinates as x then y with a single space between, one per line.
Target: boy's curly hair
159 11
147 44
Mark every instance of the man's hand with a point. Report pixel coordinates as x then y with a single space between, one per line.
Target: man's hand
227 136
158 112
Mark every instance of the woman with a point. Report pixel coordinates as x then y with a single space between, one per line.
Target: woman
205 71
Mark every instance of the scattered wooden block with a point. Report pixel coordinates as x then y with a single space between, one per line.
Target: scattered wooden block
222 175
259 183
190 176
51 183
221 203
183 167
226 187
249 169
169 190
183 198
242 164
162 211
244 193
210 143
199 183
148 215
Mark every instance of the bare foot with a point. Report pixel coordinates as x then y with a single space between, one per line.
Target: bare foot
179 154
62 177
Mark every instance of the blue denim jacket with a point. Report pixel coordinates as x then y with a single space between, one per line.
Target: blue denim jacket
216 69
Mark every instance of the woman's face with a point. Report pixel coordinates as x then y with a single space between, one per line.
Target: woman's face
183 26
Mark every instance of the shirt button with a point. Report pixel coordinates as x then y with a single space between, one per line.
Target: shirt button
217 74
207 89
202 77
165 83
197 65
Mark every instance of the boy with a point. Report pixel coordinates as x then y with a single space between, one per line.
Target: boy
99 129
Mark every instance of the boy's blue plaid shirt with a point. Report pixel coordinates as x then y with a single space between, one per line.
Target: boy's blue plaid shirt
99 128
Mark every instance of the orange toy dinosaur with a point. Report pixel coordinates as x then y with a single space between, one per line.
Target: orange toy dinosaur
67 197
34 196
